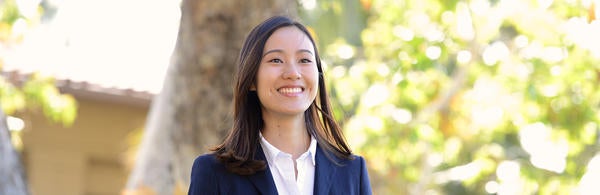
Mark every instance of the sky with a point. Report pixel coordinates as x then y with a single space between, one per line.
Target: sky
124 44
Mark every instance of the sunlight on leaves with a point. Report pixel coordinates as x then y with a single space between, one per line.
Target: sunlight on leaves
476 97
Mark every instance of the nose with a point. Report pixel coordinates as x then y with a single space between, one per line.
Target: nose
292 72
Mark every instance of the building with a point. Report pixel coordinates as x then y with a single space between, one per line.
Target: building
94 155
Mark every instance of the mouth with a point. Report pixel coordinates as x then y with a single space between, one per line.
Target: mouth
290 90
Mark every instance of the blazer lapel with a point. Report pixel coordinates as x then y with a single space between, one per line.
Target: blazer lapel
324 172
263 180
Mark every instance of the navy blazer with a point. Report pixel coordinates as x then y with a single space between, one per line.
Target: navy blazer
209 176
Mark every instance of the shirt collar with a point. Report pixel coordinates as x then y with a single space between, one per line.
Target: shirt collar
312 148
271 151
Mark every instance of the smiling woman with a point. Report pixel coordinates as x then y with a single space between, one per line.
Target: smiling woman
287 75
284 139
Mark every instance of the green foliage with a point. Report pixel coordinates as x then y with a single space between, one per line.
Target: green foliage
37 91
467 97
9 12
11 98
58 107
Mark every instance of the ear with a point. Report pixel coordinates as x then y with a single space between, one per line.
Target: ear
253 88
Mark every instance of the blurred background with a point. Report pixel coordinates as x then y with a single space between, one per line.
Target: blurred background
440 97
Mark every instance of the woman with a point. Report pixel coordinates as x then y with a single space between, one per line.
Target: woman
284 139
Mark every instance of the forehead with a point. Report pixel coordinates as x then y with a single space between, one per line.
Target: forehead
289 38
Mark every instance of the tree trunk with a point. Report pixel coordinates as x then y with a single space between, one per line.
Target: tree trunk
12 178
193 110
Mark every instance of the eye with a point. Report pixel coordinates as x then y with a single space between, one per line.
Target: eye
305 60
276 60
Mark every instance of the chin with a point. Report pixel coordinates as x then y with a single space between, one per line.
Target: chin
298 111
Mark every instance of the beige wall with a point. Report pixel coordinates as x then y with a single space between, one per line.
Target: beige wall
85 159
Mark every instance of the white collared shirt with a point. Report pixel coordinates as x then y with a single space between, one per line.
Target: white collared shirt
281 166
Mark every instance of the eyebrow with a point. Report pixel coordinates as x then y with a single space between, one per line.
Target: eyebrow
281 51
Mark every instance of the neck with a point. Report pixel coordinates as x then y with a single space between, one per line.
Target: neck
287 134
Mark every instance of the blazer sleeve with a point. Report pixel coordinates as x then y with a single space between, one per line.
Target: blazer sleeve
365 184
203 178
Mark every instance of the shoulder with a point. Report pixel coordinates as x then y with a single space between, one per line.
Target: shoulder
355 161
352 159
352 174
352 162
356 168
358 159
206 160
209 176
205 173
207 164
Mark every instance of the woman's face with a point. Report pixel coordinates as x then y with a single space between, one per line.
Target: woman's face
287 78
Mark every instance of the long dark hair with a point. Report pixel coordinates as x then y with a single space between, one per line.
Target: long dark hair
239 147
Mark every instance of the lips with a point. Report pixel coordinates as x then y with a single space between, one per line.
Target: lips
290 90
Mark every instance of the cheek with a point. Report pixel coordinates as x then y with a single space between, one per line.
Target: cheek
313 77
312 80
262 77
265 78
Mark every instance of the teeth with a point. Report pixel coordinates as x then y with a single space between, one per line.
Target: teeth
290 90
